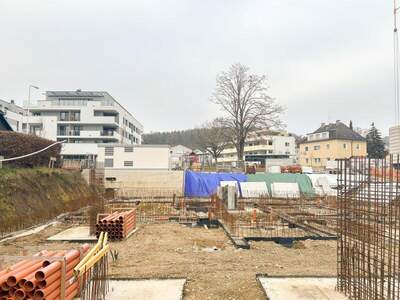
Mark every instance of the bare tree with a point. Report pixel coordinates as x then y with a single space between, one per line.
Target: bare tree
212 138
242 96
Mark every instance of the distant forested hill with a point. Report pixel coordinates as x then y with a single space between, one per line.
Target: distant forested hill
179 137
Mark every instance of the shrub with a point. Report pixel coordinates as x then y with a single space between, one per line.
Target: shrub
13 144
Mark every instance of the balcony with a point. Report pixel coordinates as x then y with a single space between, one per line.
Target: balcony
91 134
107 133
68 133
70 119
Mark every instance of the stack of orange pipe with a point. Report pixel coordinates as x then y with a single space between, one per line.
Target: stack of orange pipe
41 278
118 225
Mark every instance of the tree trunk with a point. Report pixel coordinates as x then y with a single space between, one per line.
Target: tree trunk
240 150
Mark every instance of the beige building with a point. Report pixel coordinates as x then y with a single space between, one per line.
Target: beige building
330 142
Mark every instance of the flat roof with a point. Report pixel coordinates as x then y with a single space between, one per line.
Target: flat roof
135 146
97 94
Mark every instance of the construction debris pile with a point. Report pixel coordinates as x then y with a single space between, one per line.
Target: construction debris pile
118 225
46 275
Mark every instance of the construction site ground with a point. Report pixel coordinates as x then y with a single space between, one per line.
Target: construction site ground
214 268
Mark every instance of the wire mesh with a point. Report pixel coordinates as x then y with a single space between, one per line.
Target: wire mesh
369 228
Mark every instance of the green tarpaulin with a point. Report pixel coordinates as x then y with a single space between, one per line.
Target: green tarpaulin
304 181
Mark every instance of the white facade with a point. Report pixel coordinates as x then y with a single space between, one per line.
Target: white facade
145 157
262 145
13 114
394 140
84 117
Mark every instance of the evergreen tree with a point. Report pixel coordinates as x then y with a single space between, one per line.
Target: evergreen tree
375 144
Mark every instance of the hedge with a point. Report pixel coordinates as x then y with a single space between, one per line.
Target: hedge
13 144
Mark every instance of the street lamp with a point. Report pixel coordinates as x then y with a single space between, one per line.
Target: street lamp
29 103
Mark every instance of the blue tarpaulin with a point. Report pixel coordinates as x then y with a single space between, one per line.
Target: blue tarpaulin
200 184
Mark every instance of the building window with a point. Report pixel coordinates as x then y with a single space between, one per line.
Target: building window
128 163
317 160
108 163
328 159
76 131
306 148
306 160
287 144
62 130
128 149
327 146
75 116
270 143
108 151
344 146
316 147
64 116
357 146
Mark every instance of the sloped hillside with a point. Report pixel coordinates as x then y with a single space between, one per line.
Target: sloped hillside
30 196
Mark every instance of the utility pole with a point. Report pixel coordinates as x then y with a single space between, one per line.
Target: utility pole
396 63
29 103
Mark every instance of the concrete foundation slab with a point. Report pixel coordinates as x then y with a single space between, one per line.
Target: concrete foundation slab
310 288
74 234
152 289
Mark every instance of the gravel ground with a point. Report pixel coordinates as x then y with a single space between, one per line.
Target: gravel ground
175 251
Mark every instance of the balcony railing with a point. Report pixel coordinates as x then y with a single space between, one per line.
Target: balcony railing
69 133
70 118
107 133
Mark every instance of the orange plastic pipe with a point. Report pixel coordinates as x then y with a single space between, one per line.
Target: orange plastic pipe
13 279
57 275
19 294
11 291
51 289
72 291
4 286
50 269
19 266
18 269
42 284
13 267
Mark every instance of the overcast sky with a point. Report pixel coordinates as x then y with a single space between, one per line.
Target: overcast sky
325 60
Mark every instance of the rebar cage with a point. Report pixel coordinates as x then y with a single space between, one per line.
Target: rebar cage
369 228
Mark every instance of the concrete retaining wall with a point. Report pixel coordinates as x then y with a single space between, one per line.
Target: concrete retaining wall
145 183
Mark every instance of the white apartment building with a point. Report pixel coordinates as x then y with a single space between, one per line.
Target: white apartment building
93 124
13 113
84 117
262 145
394 140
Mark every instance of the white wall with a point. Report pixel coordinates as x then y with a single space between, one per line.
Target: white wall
79 149
278 142
394 140
143 157
14 119
151 158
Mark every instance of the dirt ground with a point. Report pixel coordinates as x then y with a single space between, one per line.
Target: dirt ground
175 251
